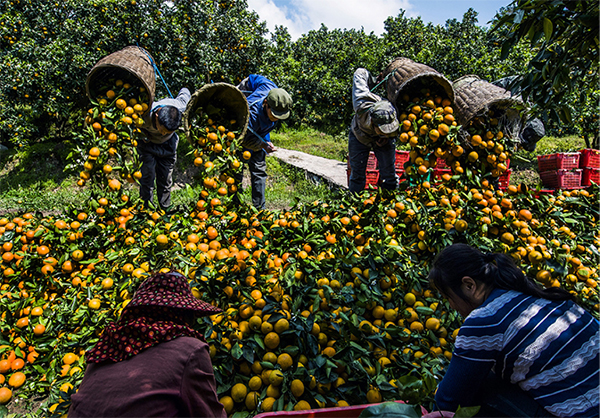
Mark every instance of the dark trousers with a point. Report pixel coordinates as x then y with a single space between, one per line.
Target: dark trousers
257 165
358 155
158 163
502 399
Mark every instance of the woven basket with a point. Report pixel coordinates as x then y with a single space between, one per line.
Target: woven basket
222 96
129 64
475 96
410 77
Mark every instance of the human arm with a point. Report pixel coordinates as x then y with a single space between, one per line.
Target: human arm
198 387
256 87
461 383
183 98
361 91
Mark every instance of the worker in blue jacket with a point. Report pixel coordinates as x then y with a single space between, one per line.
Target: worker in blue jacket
268 105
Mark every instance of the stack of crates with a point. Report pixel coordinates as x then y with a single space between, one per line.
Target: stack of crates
560 170
589 163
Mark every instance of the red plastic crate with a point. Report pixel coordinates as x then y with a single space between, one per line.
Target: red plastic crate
543 192
438 173
562 179
372 178
441 164
558 161
400 174
589 158
352 411
503 180
401 158
372 162
590 175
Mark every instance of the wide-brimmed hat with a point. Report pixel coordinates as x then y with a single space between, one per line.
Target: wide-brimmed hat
173 291
383 115
280 103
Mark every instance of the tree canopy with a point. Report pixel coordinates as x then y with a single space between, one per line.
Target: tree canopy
47 50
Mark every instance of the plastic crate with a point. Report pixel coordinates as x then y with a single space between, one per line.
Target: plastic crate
562 179
503 180
438 173
441 164
372 161
340 412
541 192
401 158
372 178
589 158
558 161
400 174
590 175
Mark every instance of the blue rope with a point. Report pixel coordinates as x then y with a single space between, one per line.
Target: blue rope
156 70
384 80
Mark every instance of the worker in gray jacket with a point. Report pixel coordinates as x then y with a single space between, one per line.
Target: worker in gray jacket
533 130
374 127
158 152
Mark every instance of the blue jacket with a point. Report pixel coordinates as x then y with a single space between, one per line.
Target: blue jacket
256 89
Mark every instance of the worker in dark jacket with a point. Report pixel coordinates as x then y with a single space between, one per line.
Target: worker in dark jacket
152 361
159 152
268 105
374 127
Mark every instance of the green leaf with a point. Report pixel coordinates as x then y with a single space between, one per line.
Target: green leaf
390 410
548 28
467 412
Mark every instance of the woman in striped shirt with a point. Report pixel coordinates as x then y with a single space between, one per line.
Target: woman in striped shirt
523 350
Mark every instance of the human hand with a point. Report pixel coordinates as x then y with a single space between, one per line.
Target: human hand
269 147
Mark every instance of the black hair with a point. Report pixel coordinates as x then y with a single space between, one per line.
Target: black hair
494 270
169 117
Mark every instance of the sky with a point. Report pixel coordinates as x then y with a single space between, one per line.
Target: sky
301 16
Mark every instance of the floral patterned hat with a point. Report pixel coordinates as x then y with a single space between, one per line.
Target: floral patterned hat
170 290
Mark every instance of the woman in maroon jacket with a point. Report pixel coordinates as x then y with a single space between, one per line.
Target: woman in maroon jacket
151 362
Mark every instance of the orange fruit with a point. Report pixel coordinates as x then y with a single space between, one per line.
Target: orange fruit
16 380
39 329
17 364
4 366
271 339
5 395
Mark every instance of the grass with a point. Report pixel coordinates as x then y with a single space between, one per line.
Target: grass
33 179
313 142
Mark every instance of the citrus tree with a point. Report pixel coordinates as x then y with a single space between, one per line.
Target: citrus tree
48 49
563 73
454 49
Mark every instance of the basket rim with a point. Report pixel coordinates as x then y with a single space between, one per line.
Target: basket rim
192 105
102 64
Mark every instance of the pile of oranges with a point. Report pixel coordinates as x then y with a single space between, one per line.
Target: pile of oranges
441 148
111 135
217 153
324 304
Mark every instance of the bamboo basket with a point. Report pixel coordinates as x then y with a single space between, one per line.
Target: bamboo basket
220 96
410 77
131 64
